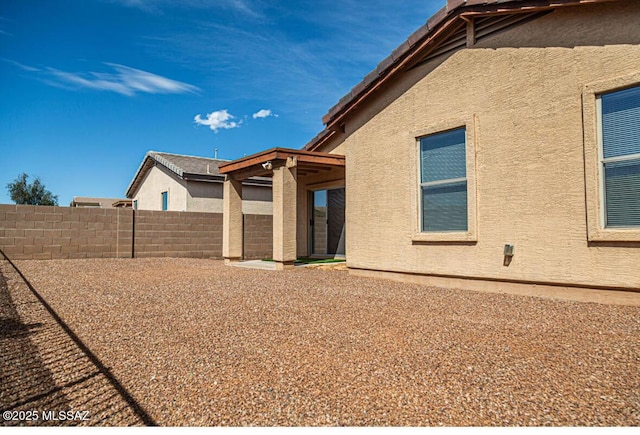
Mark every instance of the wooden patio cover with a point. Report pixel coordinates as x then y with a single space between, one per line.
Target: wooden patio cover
262 163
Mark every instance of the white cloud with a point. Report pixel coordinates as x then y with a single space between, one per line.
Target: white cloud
217 120
244 7
126 81
22 66
264 113
304 77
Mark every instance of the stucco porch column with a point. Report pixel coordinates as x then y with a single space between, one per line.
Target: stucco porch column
232 220
285 192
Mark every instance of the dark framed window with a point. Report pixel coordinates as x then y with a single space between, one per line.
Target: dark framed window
443 181
620 157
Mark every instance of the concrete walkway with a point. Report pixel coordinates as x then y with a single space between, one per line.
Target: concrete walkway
271 265
255 264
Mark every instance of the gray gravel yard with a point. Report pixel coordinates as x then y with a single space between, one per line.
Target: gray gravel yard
194 342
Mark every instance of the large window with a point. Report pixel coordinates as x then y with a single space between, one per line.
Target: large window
443 182
620 157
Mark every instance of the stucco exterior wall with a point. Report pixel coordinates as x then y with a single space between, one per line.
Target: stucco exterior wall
520 94
204 196
196 196
158 180
256 200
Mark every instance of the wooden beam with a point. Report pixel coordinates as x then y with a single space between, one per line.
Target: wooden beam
281 156
252 171
316 167
471 32
304 171
322 160
452 37
247 162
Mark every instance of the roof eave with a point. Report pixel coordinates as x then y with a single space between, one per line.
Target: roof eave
401 57
202 177
319 140
133 185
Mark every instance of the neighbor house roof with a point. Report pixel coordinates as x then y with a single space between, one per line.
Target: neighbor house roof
85 201
443 32
190 168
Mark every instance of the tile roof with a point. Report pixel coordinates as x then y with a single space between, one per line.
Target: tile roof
190 165
191 168
451 13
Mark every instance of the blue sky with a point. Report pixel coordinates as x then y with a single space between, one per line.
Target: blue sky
89 86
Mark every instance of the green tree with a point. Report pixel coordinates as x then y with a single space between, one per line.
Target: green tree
22 192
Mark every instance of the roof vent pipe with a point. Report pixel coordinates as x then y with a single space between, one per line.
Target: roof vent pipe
215 153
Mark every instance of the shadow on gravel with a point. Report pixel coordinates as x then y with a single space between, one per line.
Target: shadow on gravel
48 376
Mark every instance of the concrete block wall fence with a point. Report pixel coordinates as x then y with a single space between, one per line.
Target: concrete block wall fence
42 232
258 236
177 234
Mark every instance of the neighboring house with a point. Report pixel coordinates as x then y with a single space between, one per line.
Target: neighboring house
88 202
177 182
498 128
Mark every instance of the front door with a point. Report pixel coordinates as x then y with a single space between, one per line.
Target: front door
327 222
335 222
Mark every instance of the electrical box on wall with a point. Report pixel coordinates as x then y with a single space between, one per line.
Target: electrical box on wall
509 250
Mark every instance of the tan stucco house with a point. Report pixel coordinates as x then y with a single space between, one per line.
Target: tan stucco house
176 182
498 147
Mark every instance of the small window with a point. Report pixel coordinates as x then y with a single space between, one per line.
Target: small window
620 157
443 181
165 201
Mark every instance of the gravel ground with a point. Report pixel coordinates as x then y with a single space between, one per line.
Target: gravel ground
198 343
46 375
